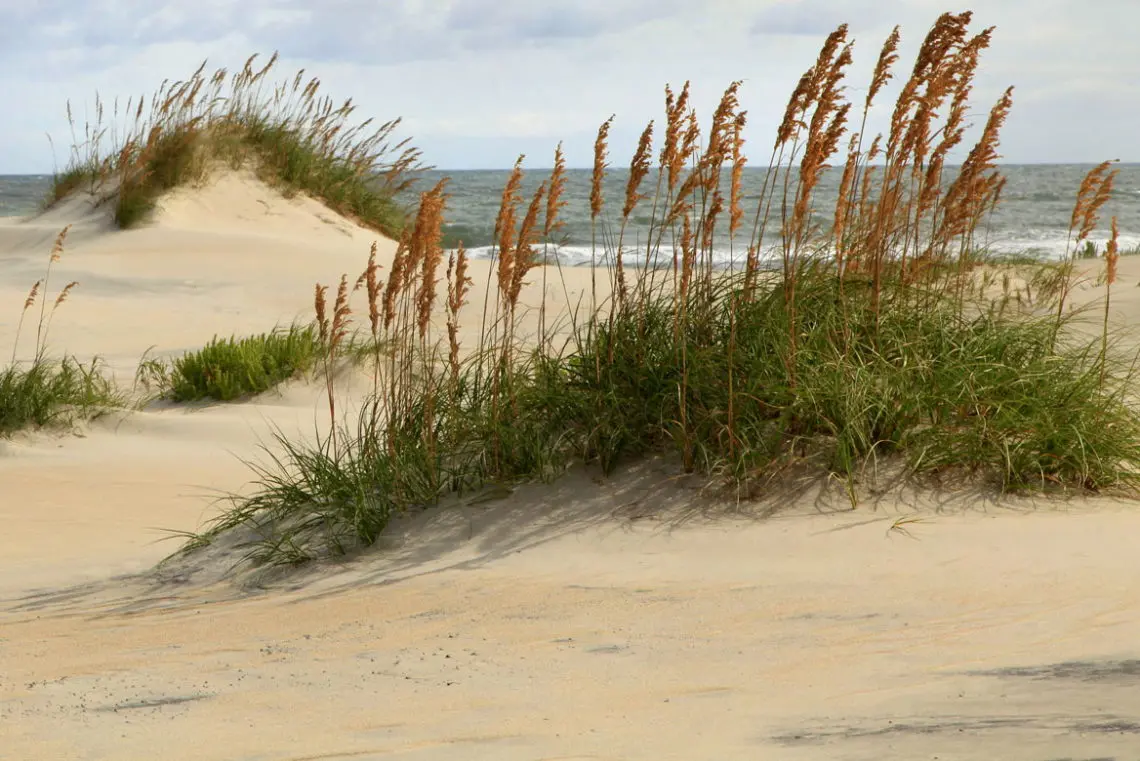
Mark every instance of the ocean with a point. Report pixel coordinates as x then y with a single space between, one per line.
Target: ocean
1032 218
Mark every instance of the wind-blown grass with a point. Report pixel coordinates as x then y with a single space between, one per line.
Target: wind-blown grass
44 391
880 336
226 369
293 137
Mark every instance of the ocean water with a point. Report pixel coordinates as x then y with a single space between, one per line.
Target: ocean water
1032 218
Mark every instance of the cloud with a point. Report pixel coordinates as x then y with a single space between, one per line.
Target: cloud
817 18
480 81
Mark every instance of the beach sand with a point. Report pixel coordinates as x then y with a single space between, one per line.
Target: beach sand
634 617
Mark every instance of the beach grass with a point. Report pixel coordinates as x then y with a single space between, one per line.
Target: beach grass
227 369
293 137
44 391
882 334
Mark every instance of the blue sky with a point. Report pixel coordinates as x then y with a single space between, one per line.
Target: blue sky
480 81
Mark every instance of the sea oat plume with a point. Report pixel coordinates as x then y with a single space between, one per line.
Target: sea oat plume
524 255
372 285
341 313
554 202
397 279
1111 254
887 58
320 307
458 284
57 248
600 149
62 297
505 228
638 169
32 294
1099 198
735 208
722 123
1086 192
429 233
797 103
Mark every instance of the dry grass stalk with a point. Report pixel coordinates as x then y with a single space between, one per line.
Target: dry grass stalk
888 55
601 148
458 284
340 316
427 253
638 169
554 202
333 332
1085 195
1098 199
735 208
843 202
972 190
62 297
552 223
320 307
672 151
505 230
30 301
524 256
56 254
396 281
373 287
723 121
827 125
1111 255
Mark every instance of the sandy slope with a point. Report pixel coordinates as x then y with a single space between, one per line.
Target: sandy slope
628 618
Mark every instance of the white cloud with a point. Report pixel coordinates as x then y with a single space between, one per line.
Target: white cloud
479 81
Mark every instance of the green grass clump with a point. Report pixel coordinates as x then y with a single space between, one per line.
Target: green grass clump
231 368
47 392
882 333
291 136
50 393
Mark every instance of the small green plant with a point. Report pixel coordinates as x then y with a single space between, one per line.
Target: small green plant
44 391
226 369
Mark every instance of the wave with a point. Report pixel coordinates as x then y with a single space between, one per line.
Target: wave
1044 244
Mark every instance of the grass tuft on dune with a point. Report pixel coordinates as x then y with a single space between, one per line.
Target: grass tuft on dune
51 392
295 139
227 369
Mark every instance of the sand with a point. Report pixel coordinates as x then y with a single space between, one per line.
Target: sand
633 617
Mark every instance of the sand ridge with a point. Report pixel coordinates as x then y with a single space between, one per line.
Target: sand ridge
634 617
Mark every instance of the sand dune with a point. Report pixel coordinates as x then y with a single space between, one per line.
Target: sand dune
603 619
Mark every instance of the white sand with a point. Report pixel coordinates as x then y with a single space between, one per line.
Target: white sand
616 620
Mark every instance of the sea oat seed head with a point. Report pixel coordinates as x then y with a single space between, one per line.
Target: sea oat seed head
638 169
600 149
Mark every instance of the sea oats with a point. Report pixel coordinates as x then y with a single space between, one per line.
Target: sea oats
599 174
524 258
638 169
554 202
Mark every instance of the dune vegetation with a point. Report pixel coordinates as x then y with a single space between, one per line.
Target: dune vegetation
44 391
294 138
880 334
227 369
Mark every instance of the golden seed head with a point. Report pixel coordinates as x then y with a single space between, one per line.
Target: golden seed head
600 149
638 169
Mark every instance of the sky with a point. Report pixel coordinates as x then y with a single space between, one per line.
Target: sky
479 82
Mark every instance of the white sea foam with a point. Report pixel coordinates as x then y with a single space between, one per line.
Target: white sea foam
1045 244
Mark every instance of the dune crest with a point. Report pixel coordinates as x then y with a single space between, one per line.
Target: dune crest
231 256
